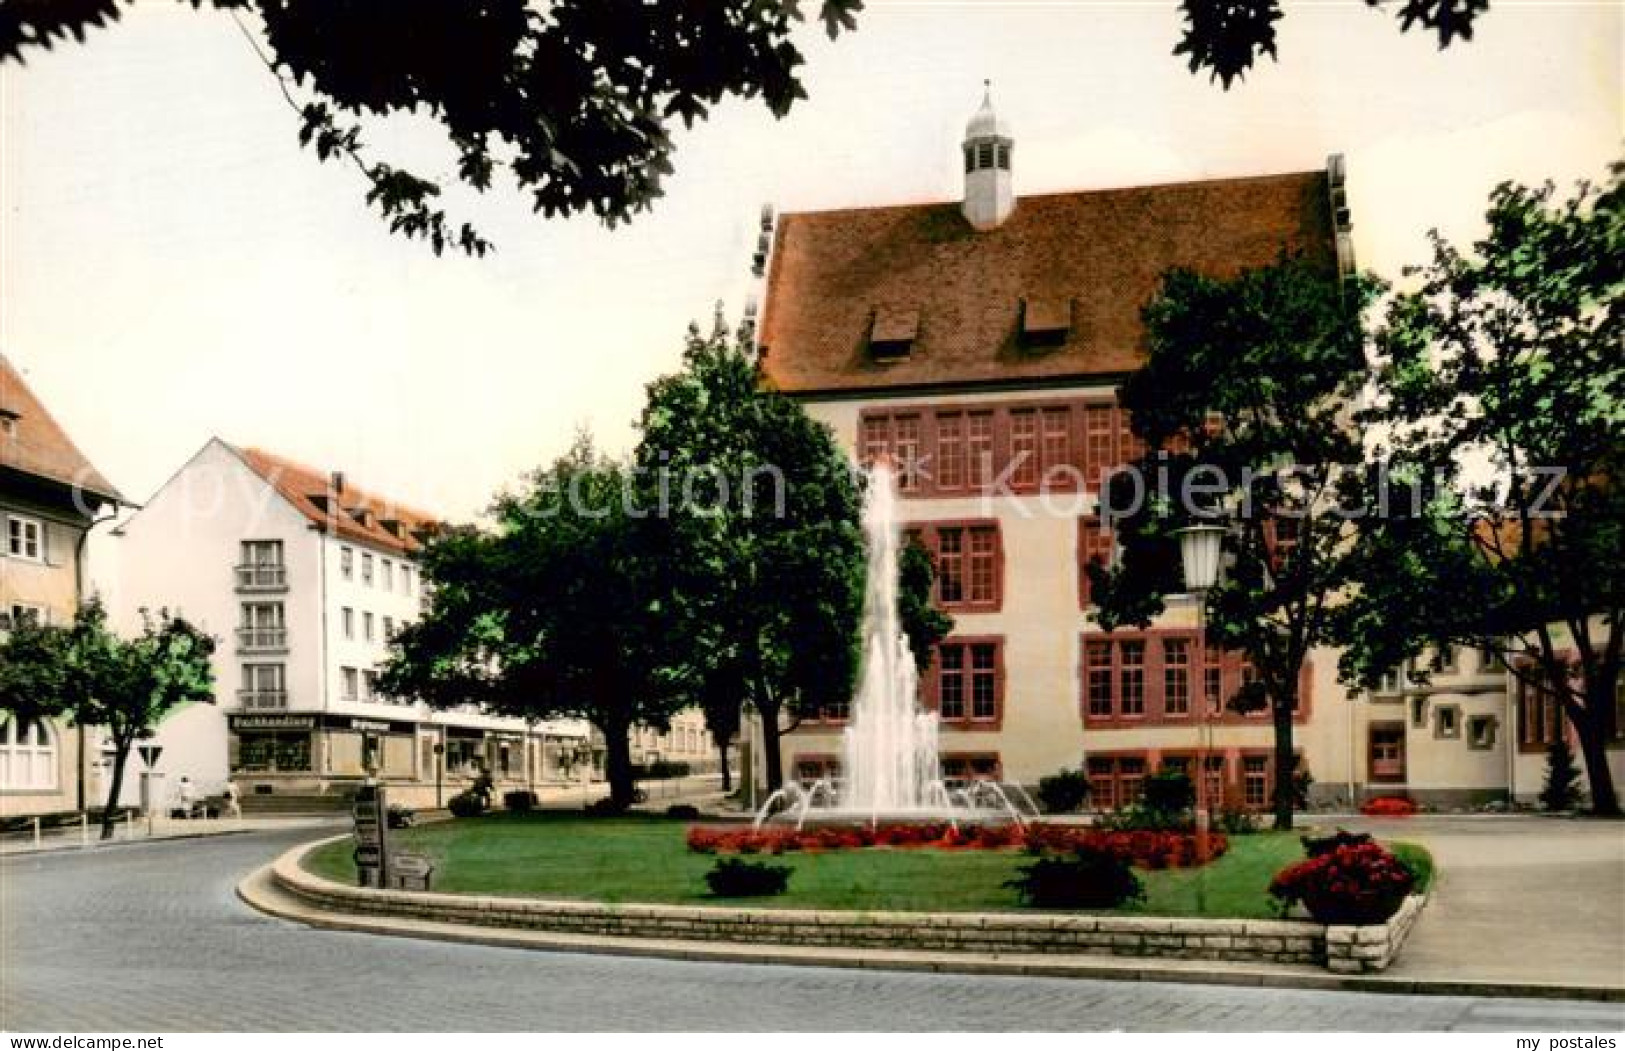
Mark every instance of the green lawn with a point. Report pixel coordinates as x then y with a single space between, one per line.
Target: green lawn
645 859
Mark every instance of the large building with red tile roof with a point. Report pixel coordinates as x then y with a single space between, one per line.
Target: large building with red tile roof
50 497
979 345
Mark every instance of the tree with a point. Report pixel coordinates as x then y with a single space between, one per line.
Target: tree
760 548
548 613
1242 403
1562 788
89 675
575 99
1225 37
1501 399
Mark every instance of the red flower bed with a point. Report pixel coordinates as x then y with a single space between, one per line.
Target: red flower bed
1388 806
1151 850
1358 883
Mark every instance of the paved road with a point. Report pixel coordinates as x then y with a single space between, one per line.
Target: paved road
151 937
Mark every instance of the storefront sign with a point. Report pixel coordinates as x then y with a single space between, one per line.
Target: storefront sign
371 725
272 722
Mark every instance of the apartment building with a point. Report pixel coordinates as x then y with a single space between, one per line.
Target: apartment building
50 498
304 577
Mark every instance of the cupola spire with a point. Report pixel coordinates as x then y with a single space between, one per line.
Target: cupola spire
989 196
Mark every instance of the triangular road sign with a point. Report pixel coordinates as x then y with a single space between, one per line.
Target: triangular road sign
150 753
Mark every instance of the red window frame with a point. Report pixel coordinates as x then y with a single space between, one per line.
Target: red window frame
970 566
1176 676
1101 660
966 683
1094 542
950 457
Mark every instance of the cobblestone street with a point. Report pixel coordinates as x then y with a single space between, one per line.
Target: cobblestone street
152 937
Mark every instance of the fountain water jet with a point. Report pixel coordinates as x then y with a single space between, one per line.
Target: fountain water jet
890 762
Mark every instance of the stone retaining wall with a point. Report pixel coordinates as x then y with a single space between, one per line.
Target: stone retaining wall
1364 950
1249 941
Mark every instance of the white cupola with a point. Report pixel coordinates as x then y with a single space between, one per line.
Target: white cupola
989 198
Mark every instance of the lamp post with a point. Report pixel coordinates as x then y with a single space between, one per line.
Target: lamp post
1200 546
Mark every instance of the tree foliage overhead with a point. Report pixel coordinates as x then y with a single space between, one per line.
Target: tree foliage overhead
1242 403
1226 37
1502 399
570 101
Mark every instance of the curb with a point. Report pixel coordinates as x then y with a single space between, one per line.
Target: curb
260 891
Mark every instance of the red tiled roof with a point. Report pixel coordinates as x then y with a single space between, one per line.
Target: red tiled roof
307 489
39 446
1101 251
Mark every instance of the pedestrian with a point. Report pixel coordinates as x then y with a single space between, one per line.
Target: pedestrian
188 797
234 803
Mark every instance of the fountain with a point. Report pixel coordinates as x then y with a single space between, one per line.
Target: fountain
890 763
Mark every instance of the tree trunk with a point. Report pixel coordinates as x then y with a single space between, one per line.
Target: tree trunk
618 763
722 757
120 758
1593 733
1286 761
769 713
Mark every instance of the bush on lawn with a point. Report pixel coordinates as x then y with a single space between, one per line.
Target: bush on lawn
1234 822
1358 883
734 878
1169 793
466 804
520 801
1063 793
1088 878
660 770
401 817
683 811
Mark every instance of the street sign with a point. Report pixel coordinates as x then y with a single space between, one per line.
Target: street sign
409 871
150 753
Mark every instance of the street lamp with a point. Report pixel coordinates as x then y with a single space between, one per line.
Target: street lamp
1200 546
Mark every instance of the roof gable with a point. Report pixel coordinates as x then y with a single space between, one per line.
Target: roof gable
1101 253
352 513
38 445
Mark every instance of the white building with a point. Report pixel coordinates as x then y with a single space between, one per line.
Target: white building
302 578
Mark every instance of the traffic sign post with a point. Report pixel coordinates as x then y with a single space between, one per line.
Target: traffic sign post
149 757
371 814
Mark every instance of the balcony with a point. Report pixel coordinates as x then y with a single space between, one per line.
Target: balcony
262 577
262 640
263 700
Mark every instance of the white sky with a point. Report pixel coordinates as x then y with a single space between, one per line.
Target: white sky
173 267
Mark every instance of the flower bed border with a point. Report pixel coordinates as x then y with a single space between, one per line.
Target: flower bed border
1342 949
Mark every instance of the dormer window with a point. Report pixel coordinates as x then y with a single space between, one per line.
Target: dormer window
1045 322
393 527
8 423
362 515
892 333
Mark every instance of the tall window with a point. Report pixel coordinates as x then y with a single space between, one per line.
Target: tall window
347 563
351 679
366 626
951 694
1176 676
875 439
950 566
389 575
264 686
1540 717
983 583
979 448
950 450
1131 678
906 451
1213 680
1255 780
1057 437
1098 432
1024 447
1098 678
347 619
968 681
28 756
406 579
25 538
366 569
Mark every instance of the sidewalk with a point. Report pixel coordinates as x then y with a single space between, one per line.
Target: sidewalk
126 833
